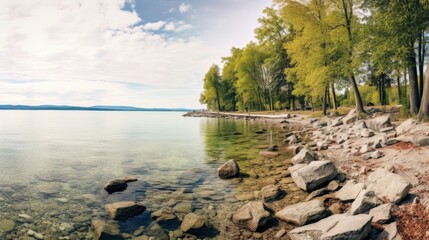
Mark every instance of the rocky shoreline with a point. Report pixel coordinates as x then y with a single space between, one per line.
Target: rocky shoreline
330 178
360 209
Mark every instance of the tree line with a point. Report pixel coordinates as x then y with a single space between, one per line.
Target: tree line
327 53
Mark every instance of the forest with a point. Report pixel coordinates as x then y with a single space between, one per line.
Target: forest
323 54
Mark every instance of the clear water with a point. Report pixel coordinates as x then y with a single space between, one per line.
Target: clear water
77 152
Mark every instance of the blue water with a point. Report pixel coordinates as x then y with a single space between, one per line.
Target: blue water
79 151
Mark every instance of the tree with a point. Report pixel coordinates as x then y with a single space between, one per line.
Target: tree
212 88
345 35
402 23
424 107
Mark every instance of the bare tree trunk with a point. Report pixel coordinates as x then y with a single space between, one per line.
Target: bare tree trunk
328 96
334 97
358 99
424 107
414 91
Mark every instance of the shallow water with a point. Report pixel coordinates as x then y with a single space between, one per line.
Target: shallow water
53 165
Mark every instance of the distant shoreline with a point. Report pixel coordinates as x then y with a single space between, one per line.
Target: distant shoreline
92 108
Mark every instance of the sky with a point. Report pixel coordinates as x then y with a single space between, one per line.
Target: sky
144 53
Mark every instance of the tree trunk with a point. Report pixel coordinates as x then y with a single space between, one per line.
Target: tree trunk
324 101
421 56
398 80
414 91
380 91
328 96
424 107
358 99
334 97
311 102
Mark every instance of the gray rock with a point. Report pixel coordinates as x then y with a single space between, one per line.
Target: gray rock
193 221
115 185
303 213
293 168
390 232
366 133
305 156
271 193
315 174
388 185
124 210
317 193
105 231
352 227
377 154
378 123
421 141
316 230
382 213
351 117
405 126
365 201
229 169
350 191
253 216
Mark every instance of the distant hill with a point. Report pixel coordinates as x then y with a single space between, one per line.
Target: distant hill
92 108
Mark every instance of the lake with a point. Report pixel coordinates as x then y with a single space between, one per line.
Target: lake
54 164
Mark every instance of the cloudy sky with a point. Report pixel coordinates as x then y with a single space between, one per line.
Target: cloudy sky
147 53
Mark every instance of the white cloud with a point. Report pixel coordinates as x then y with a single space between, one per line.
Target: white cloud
184 7
153 26
84 52
177 27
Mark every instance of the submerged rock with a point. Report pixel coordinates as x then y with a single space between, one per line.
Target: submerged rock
115 185
163 214
124 210
193 221
7 225
314 175
105 231
253 216
229 169
272 193
303 213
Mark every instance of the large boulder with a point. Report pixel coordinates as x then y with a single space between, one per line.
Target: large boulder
253 216
124 210
193 222
105 231
365 201
303 213
339 226
304 156
379 123
350 190
387 185
405 126
229 169
314 175
421 141
351 117
355 227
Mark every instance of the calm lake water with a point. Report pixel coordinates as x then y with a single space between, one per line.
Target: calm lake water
53 165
